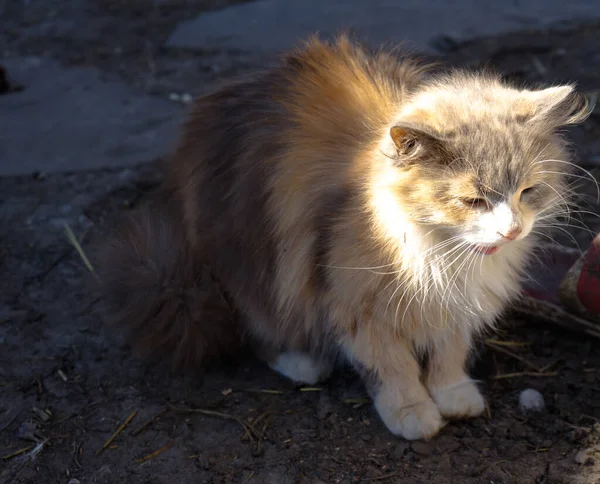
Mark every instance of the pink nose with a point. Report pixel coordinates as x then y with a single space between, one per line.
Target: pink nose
512 234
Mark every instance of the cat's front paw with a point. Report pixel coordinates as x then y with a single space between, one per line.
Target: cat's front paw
419 421
458 401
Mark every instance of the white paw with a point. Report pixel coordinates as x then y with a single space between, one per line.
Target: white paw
300 367
419 421
460 400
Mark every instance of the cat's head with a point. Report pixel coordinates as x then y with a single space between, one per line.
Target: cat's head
477 161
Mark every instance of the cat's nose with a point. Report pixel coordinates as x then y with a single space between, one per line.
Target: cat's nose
512 234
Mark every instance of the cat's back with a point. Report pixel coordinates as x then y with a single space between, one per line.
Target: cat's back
262 158
320 100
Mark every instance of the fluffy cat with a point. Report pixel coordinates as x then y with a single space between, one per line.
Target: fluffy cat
351 205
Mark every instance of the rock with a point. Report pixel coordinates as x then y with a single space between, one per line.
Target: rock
400 450
422 448
583 457
531 400
447 445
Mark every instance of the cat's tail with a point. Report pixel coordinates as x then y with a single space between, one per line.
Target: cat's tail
153 285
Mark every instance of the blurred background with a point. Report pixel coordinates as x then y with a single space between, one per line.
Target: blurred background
91 96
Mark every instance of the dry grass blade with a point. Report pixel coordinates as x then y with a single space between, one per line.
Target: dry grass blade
248 478
248 428
150 422
154 454
500 349
267 391
523 373
550 365
539 67
353 401
499 342
357 402
381 478
261 417
261 437
117 432
311 389
17 452
75 243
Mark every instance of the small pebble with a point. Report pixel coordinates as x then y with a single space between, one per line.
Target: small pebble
401 449
583 457
174 97
531 400
422 448
186 98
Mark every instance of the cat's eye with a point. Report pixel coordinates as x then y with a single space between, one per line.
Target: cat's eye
475 203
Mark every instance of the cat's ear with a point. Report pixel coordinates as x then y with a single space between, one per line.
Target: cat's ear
555 106
410 140
406 140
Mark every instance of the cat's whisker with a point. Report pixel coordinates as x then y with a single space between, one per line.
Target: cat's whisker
573 165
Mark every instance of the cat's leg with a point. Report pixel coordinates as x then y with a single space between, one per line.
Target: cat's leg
392 375
301 367
455 394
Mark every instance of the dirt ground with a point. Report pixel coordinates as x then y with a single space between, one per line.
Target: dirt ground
67 384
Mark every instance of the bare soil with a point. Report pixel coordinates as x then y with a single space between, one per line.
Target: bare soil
67 384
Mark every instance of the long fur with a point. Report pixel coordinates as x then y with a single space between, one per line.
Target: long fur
154 285
327 196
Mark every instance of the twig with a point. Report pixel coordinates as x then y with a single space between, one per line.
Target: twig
550 365
381 478
154 454
149 422
545 311
513 355
117 432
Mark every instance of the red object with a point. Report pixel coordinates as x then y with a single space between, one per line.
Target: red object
568 280
588 284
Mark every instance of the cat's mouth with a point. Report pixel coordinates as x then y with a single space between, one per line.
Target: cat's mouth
486 249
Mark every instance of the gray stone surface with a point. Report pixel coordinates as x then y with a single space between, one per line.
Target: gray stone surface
272 25
70 119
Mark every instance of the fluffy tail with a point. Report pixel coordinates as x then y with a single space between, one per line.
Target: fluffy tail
153 285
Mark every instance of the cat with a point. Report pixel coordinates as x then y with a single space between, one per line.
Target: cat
348 205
